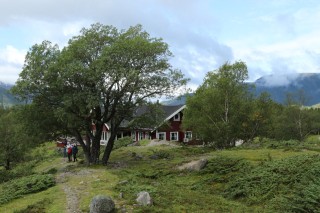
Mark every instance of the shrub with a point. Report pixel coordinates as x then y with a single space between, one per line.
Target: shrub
25 185
144 142
288 185
121 142
22 170
160 154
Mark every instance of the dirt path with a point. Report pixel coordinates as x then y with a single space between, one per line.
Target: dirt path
71 190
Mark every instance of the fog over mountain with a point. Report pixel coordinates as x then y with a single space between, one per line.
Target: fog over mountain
278 86
5 85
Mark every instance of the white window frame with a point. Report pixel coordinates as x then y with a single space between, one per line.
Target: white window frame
105 136
177 136
140 135
178 117
133 135
161 133
186 134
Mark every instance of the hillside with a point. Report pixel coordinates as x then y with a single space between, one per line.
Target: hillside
278 87
6 99
277 177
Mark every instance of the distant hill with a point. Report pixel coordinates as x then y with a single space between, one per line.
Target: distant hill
6 99
278 86
180 100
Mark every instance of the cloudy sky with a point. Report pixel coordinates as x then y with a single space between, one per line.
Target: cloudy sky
270 36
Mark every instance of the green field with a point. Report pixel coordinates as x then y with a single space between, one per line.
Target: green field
254 178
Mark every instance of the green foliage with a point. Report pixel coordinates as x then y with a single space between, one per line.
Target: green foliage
220 106
148 115
289 184
121 142
224 169
100 77
160 154
25 185
11 140
21 170
144 142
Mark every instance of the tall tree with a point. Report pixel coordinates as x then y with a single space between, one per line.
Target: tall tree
13 141
295 120
101 76
218 109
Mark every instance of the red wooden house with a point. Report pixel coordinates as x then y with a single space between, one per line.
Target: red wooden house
170 129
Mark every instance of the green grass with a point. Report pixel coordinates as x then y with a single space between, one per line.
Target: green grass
154 169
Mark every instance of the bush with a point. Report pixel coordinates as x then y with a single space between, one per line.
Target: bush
144 142
25 185
160 154
22 170
121 142
289 185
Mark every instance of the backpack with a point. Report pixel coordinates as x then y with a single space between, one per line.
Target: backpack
75 149
69 150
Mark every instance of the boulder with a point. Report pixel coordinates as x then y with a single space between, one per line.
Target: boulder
144 199
102 204
194 165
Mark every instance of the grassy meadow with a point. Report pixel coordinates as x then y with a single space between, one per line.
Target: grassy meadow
264 176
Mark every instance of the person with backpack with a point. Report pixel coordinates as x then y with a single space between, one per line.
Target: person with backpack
74 152
69 151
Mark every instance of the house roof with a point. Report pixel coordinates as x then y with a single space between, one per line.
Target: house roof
171 111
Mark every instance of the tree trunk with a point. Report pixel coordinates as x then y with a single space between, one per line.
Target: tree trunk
107 151
85 146
7 165
95 148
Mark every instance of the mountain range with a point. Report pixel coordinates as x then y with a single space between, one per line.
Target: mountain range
6 99
278 86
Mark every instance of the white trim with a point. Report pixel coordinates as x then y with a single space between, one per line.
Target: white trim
185 134
107 126
176 112
177 134
170 116
160 133
133 135
140 136
178 117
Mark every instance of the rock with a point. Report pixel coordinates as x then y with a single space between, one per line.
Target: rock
102 204
121 195
144 199
194 165
123 182
136 156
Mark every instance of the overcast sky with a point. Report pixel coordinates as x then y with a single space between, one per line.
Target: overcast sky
270 36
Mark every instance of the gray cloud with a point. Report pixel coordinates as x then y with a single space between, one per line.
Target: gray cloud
193 29
185 25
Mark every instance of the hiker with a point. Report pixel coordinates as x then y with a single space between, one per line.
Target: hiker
64 142
74 152
69 151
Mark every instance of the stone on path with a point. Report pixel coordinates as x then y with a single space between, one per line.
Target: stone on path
102 204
